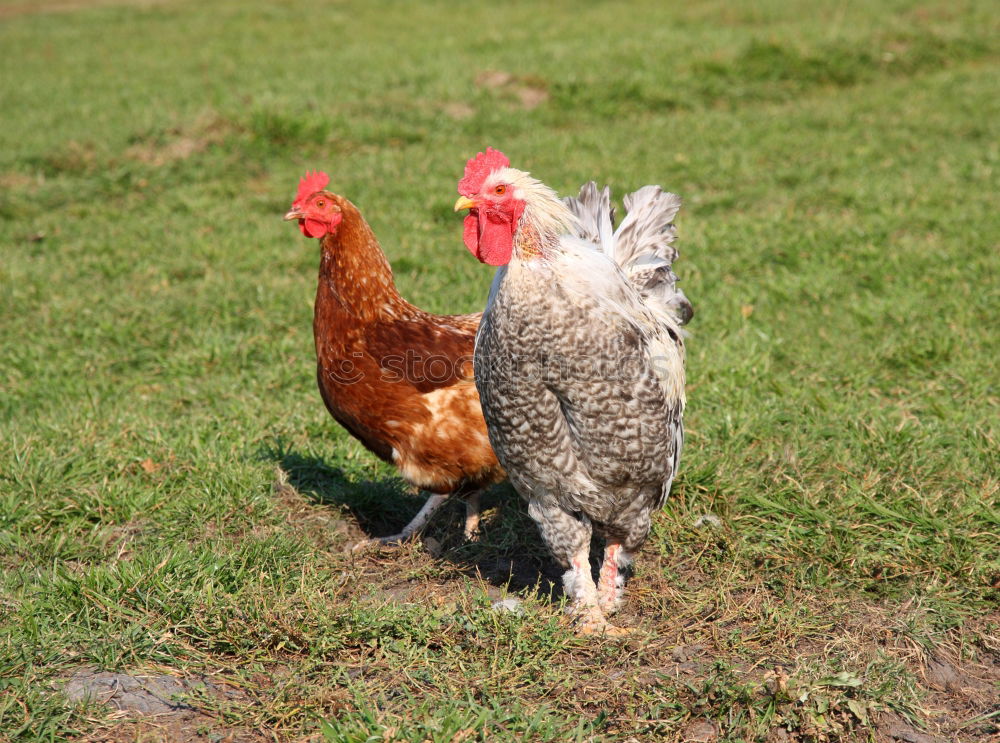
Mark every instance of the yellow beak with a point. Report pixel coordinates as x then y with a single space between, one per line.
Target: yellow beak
464 203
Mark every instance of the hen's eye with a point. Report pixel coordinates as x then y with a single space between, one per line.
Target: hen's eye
500 190
321 203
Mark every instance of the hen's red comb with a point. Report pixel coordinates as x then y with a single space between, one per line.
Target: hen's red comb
310 184
479 168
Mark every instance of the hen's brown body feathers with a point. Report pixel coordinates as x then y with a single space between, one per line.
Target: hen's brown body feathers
398 378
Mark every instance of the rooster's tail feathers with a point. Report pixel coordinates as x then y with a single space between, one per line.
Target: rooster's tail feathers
595 214
643 244
647 233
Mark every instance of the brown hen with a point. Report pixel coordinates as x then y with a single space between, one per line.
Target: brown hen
397 378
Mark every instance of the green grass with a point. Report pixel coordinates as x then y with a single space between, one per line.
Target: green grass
175 499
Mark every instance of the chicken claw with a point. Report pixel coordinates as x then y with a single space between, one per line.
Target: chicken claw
394 540
591 622
416 525
418 522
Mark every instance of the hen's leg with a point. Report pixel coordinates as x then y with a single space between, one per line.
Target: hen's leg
471 530
416 525
611 584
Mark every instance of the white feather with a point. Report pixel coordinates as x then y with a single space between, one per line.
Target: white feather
592 273
642 245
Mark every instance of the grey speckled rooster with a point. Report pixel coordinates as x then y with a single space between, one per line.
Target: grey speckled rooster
579 363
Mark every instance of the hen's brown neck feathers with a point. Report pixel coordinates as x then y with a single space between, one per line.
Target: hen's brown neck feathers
355 271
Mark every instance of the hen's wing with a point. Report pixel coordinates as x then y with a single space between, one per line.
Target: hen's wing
426 353
463 323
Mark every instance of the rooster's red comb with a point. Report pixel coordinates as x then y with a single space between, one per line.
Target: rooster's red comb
479 168
310 184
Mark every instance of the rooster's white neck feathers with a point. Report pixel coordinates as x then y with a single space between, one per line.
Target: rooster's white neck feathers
545 216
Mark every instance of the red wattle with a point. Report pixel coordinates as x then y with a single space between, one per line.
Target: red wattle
313 227
470 233
489 237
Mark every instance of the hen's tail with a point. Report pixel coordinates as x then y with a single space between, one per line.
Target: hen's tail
643 244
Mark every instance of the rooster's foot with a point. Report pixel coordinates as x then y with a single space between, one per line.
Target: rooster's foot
589 621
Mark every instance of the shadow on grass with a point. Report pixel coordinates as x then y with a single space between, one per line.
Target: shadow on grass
378 506
509 553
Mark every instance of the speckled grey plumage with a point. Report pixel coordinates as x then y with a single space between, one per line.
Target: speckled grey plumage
576 414
574 395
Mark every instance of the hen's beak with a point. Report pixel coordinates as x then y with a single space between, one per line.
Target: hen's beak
293 214
464 202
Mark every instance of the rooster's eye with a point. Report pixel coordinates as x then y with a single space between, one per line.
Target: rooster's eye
500 190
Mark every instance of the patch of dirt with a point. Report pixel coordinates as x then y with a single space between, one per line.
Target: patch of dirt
530 92
72 157
962 694
494 79
701 731
778 735
179 144
942 674
12 180
458 110
157 707
158 155
891 727
685 662
66 6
